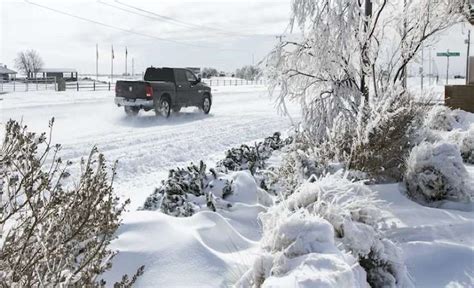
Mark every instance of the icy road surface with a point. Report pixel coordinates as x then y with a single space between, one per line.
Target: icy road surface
146 146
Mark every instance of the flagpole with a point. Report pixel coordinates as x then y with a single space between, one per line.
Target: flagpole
126 57
97 62
112 66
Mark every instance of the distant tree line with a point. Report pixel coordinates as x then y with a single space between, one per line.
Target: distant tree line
248 73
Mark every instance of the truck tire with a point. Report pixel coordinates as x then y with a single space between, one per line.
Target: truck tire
131 111
163 107
206 104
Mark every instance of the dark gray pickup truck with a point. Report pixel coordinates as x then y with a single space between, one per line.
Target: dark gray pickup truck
163 90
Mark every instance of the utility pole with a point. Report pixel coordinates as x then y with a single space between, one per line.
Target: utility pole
422 65
126 60
96 62
447 68
429 65
112 66
468 42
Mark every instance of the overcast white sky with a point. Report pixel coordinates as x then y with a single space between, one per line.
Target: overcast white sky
220 33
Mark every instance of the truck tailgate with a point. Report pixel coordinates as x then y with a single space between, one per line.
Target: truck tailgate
131 89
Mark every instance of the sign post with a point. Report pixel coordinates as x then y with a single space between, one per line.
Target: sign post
448 54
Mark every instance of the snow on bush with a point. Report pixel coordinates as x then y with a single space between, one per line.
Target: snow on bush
436 172
188 190
293 230
465 141
300 251
440 118
252 158
194 188
467 146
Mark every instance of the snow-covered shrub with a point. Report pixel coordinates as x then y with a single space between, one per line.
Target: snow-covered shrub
467 146
300 251
189 189
440 118
436 172
355 217
251 157
383 141
54 236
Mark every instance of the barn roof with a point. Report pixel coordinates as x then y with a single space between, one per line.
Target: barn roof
57 70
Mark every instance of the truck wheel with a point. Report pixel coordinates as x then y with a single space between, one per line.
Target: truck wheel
131 111
206 104
163 108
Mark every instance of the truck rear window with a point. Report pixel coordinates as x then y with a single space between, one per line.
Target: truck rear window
159 74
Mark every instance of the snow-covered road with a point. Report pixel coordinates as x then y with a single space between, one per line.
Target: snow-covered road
146 146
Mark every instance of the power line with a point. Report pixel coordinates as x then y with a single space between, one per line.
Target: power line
175 20
127 30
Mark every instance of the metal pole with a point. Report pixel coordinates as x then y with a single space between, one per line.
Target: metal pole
467 55
422 65
97 62
429 66
447 68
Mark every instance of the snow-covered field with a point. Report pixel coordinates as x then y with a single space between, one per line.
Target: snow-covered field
215 249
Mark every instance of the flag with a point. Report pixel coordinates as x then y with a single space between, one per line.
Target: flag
113 56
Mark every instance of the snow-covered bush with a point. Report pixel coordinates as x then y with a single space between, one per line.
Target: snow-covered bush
189 189
54 236
440 118
251 157
436 172
293 229
300 251
465 141
467 146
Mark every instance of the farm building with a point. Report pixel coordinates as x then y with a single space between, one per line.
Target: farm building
67 74
6 74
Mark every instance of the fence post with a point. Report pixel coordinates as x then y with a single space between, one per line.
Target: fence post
55 84
77 84
210 83
109 86
94 85
26 86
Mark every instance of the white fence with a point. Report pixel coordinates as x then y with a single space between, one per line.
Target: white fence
39 84
231 82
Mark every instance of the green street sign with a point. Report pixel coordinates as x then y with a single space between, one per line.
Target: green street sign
448 54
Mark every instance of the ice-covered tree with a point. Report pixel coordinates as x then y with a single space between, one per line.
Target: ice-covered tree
347 54
346 66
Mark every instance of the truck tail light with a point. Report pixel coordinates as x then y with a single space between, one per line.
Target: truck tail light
149 91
